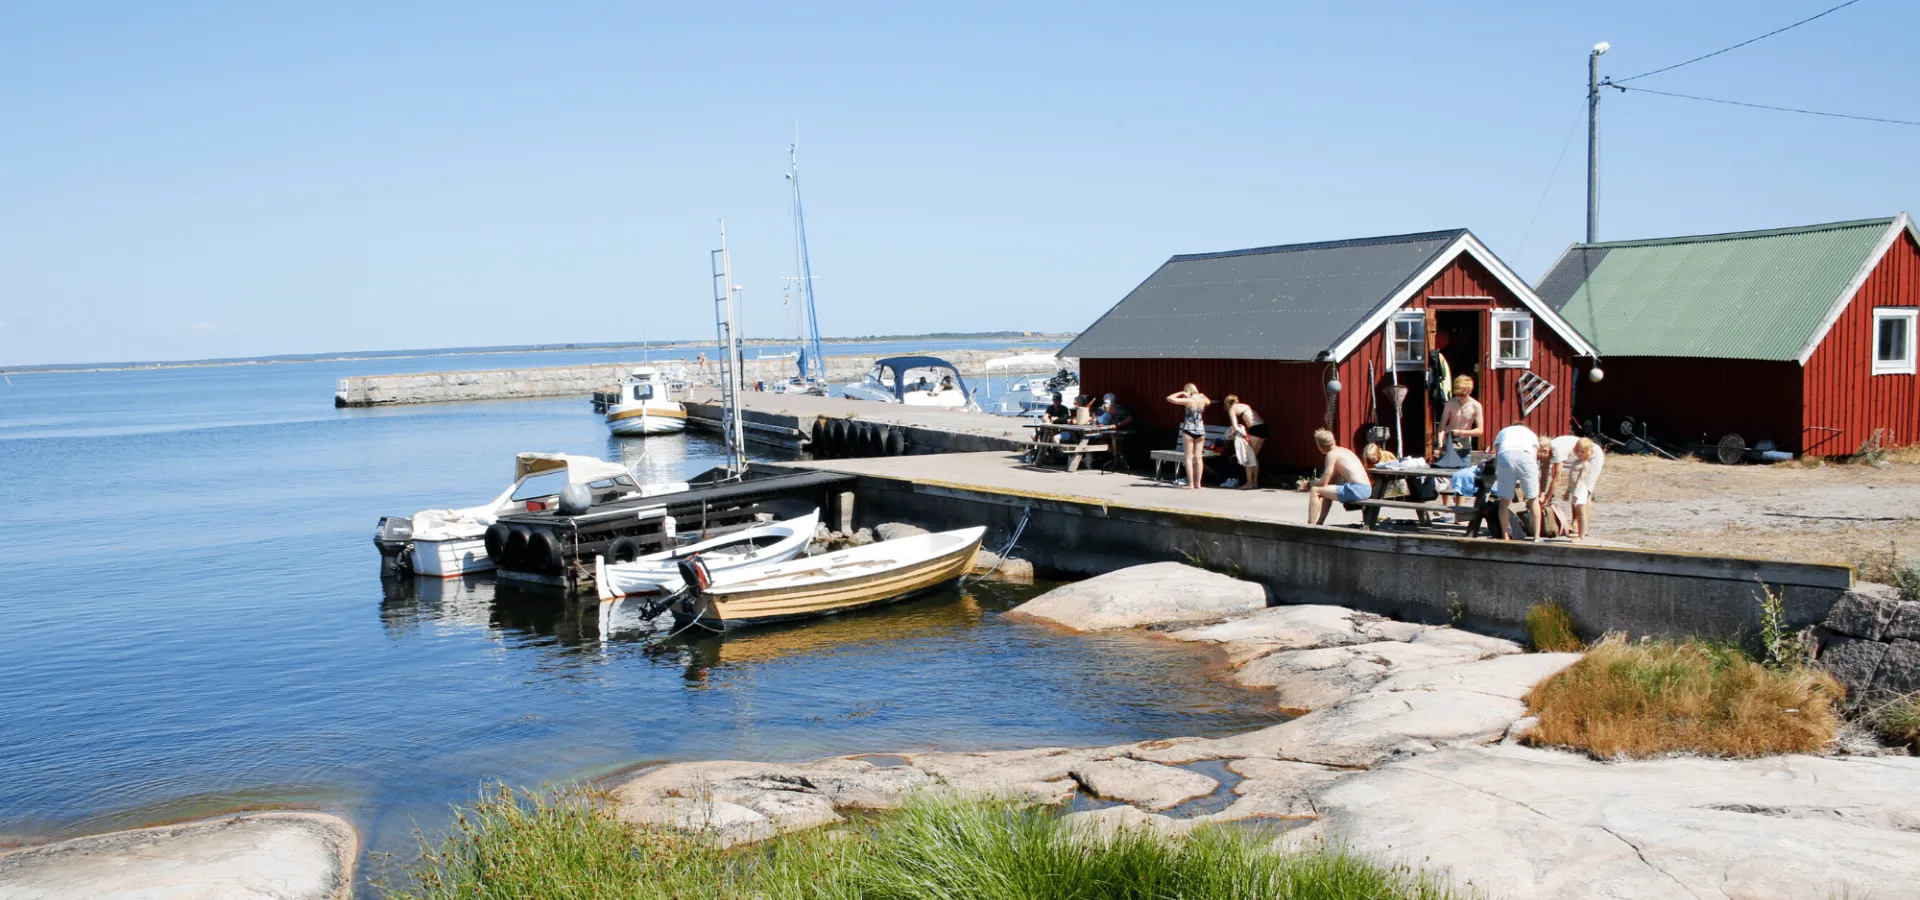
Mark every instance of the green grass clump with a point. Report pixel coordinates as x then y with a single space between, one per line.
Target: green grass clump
1551 629
566 845
1898 720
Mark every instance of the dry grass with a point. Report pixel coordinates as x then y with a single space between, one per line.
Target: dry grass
1657 698
1897 720
1551 629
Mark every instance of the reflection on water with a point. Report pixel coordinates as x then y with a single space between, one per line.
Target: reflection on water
195 621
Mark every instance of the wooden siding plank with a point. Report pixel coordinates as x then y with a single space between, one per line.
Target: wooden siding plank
1845 401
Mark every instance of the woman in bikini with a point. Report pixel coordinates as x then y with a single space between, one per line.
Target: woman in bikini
1193 431
1252 429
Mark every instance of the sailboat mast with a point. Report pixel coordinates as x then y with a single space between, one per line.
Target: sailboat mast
817 362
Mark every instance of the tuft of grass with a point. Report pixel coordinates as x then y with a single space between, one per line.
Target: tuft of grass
1897 720
1551 629
565 844
1654 698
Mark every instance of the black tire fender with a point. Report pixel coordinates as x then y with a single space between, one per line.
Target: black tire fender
623 550
513 551
496 540
543 552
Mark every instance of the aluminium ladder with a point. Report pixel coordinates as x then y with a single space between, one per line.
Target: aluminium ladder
723 314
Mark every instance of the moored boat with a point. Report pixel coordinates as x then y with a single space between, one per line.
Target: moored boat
659 573
829 584
444 543
910 381
644 405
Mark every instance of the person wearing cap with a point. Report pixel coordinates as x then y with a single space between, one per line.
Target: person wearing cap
1112 414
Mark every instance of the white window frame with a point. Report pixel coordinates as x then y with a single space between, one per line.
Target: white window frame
1493 338
1414 317
1893 367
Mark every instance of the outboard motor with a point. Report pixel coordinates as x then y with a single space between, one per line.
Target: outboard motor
575 499
693 572
393 537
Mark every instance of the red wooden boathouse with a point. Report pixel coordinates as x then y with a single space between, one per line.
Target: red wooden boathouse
1803 336
1279 325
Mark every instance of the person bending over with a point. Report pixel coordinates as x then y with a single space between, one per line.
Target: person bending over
1516 468
1343 479
1250 432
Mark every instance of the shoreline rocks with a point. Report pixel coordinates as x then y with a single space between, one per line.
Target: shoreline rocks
268 856
1151 594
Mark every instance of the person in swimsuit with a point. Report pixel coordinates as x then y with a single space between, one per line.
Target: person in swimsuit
1248 427
1464 419
1193 430
1343 479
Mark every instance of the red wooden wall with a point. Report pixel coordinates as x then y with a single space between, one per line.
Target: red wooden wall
1684 399
1291 395
1841 391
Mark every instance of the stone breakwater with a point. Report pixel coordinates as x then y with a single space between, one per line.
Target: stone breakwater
1872 643
579 381
1408 747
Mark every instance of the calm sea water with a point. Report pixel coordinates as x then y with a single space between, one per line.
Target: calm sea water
194 622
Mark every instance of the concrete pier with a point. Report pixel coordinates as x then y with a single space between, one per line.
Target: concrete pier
791 421
1091 522
579 381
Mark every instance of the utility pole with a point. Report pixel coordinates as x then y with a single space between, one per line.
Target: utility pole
1593 141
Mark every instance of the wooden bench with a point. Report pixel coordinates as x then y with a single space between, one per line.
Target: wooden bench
1075 453
1370 510
1178 455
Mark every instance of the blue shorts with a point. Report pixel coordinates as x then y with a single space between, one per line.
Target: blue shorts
1355 491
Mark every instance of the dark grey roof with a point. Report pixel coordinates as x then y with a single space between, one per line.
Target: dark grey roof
1287 303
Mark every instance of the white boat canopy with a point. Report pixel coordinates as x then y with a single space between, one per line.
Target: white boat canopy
580 469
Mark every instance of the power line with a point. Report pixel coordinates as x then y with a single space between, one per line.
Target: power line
1739 45
1804 112
1525 235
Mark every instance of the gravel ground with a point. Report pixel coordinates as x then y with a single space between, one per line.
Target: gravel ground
1856 514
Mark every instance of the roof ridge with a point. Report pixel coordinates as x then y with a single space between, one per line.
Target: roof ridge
1449 234
1880 222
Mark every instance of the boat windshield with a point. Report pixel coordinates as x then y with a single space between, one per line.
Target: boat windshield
545 484
643 392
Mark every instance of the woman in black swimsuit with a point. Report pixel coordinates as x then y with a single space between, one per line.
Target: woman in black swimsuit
1248 425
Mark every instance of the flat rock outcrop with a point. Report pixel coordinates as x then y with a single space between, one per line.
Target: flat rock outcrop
1524 823
1151 594
1147 785
260 856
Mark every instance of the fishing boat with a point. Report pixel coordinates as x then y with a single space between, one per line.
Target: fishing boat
645 404
445 543
913 381
825 585
659 573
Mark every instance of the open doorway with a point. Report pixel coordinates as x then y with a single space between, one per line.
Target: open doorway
1458 335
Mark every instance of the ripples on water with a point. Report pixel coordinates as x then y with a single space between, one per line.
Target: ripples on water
195 623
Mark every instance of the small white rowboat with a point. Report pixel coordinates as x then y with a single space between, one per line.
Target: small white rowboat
832 583
659 573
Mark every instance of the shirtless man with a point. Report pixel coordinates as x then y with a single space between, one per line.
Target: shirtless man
1463 419
1343 479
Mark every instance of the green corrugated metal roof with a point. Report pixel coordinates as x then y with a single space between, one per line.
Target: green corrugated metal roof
1748 295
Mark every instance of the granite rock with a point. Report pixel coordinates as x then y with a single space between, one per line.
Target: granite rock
1862 614
1899 670
1151 594
1148 785
1906 622
1853 661
1312 679
1524 823
888 531
258 856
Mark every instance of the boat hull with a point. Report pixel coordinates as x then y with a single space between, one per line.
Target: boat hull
450 558
643 422
731 609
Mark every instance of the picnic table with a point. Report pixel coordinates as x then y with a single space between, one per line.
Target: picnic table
1080 440
1383 475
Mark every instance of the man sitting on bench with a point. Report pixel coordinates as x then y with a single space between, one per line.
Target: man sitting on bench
1344 479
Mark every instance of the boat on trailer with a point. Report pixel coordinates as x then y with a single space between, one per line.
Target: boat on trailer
825 585
659 573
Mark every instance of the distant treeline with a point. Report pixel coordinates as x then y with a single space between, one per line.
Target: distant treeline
511 348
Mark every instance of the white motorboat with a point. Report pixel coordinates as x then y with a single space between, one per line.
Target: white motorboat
913 381
448 542
1031 394
645 404
659 573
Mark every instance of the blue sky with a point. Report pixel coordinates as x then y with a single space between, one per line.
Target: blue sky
208 179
